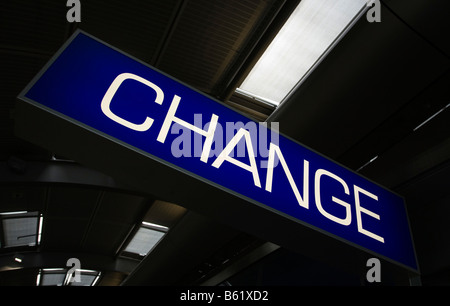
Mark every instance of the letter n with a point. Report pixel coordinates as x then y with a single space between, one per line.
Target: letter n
274 149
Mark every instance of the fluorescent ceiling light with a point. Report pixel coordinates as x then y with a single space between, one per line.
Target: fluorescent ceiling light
53 270
51 277
155 226
87 278
145 239
39 235
96 280
366 164
306 36
20 231
13 213
62 277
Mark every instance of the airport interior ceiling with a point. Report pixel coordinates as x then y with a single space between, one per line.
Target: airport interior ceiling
378 103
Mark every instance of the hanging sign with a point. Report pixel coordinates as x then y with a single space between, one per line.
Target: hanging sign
104 90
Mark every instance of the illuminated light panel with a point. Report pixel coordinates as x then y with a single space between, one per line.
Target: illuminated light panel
146 238
51 277
62 277
20 228
311 30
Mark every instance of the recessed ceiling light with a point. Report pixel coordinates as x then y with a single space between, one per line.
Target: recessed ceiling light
310 32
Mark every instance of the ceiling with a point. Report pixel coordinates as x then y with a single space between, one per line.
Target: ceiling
364 100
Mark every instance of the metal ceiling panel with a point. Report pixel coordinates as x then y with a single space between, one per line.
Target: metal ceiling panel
22 197
208 38
136 27
105 237
114 218
30 33
63 234
71 202
18 67
67 217
164 213
429 18
427 147
428 198
123 208
19 277
33 26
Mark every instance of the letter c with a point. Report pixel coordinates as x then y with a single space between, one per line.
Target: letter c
106 101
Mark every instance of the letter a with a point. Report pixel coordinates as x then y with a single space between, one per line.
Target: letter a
75 270
374 13
374 273
74 14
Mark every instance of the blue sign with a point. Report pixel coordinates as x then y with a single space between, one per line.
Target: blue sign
107 91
